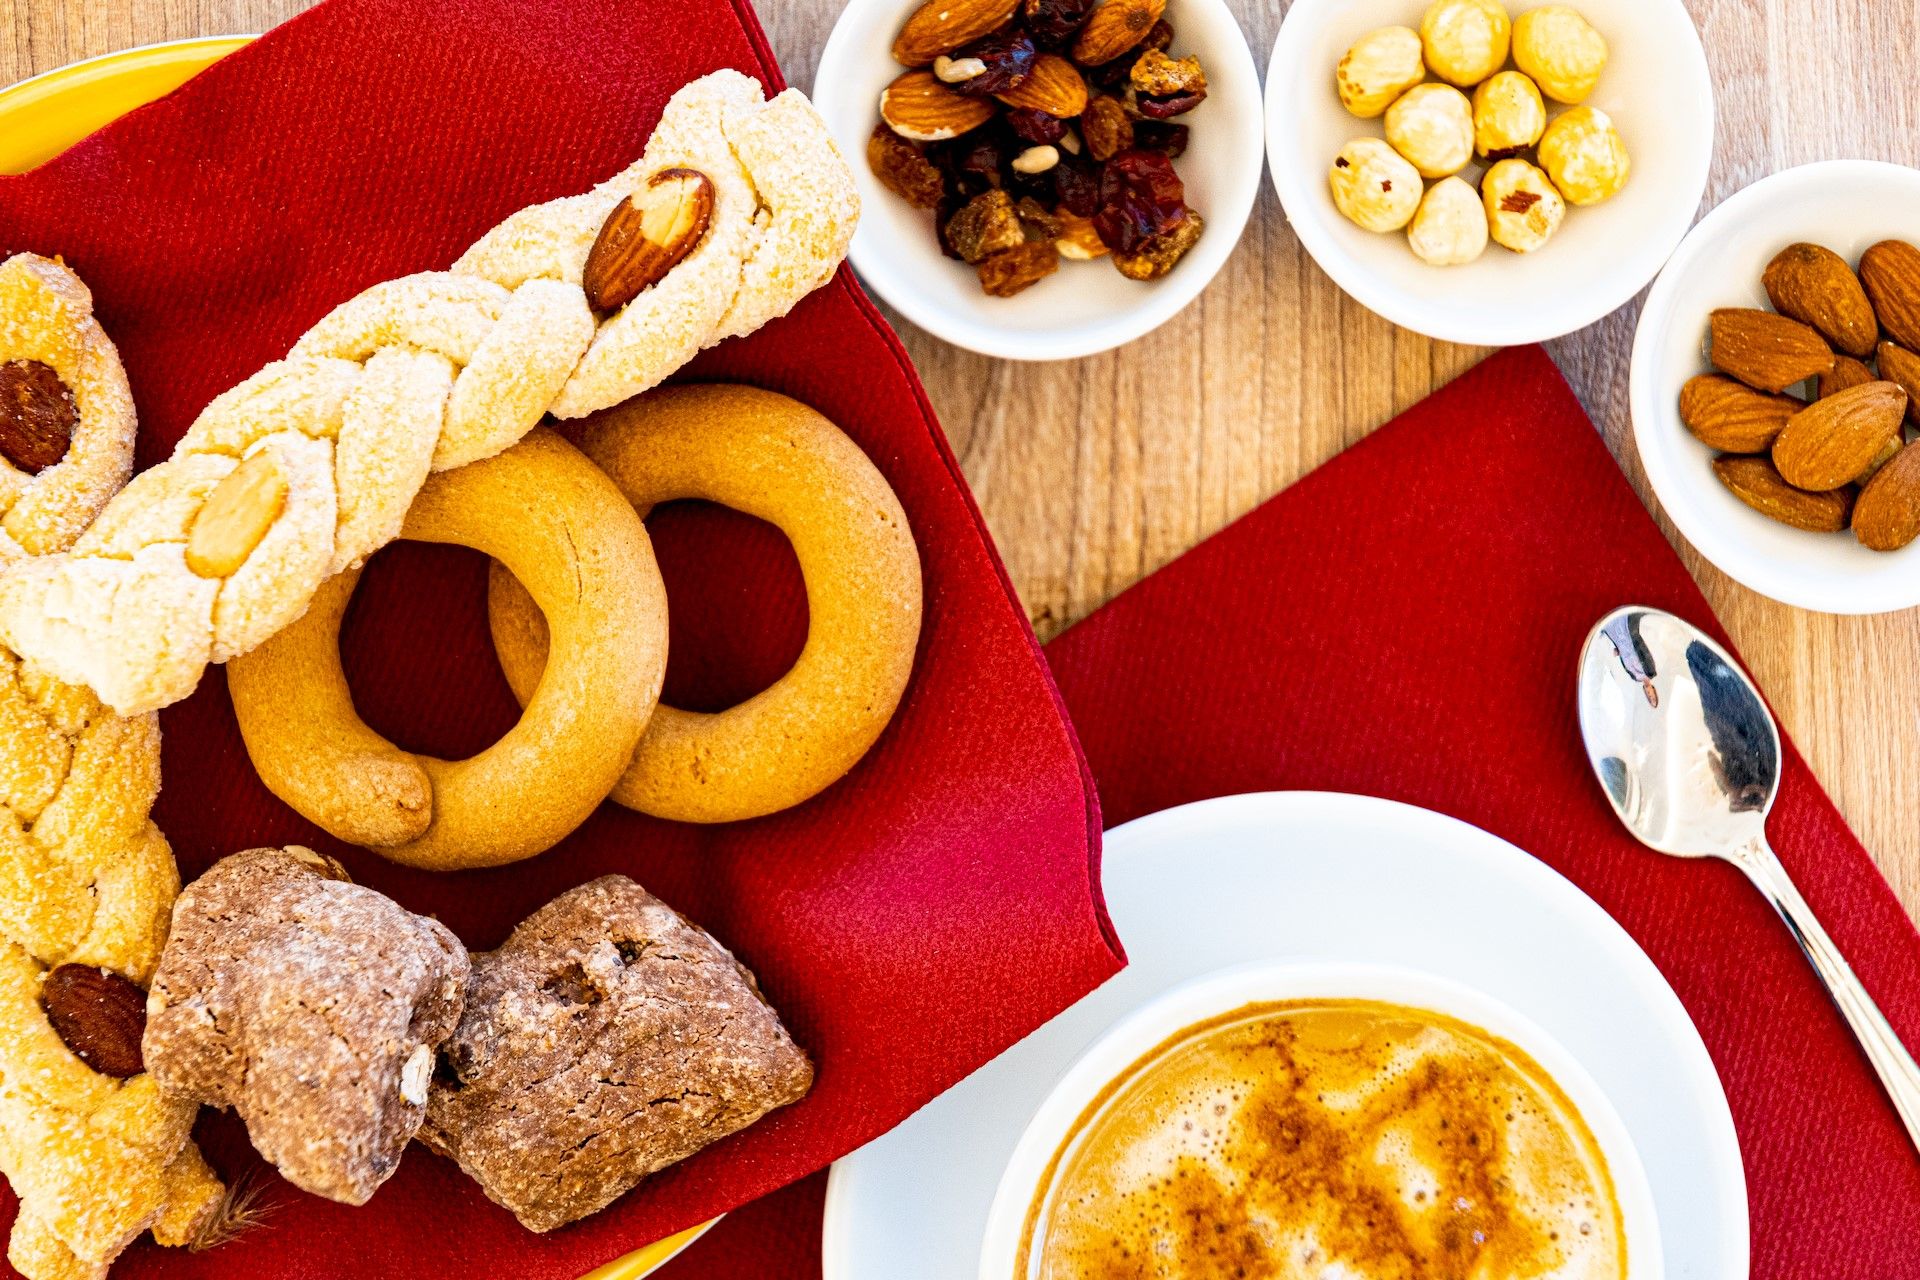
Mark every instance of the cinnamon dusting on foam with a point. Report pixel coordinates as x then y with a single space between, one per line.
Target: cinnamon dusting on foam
1343 1139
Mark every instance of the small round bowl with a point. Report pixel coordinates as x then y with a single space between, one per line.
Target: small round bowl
1656 88
1085 307
1184 1006
1846 205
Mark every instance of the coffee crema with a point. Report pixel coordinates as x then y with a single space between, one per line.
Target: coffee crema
1328 1139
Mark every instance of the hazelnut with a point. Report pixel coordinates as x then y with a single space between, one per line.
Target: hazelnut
1508 115
1523 208
1432 125
1374 186
1585 156
1466 40
1561 51
1380 67
1450 228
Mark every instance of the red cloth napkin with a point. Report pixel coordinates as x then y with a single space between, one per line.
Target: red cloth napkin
909 923
1406 623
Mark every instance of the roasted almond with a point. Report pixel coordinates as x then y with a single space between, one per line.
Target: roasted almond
1054 86
99 1015
646 236
1834 441
37 415
1114 28
1846 372
1726 414
236 516
1765 350
920 107
1902 368
1887 516
1755 482
1816 286
941 26
1891 272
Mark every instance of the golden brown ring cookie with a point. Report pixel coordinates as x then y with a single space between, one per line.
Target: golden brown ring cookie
545 510
774 458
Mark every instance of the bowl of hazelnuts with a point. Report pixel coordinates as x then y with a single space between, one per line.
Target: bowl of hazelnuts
1043 179
1490 172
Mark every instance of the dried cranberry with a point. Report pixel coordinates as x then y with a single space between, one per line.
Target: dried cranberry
1110 76
1055 22
1140 197
1008 56
1036 126
974 162
1076 183
1173 104
1159 37
1169 140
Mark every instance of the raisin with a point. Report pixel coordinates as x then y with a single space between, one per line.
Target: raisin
1106 127
1159 38
1054 23
1041 222
985 226
1036 126
1007 272
1169 140
1140 197
974 162
1008 57
904 169
1076 184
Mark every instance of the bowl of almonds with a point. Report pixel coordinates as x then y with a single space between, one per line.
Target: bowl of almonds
1043 179
1776 387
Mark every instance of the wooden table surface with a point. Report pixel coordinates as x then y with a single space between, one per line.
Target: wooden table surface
1094 473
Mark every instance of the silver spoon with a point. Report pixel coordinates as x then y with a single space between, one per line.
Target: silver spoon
1689 756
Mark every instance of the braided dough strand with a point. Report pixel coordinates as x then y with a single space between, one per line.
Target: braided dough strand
428 372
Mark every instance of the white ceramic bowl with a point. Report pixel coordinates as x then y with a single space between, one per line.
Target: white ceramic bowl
1846 205
1085 307
1656 88
1222 992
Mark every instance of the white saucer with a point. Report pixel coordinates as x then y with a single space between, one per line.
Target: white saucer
1306 874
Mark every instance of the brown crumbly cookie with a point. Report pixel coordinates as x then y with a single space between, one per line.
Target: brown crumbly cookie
606 1039
312 1006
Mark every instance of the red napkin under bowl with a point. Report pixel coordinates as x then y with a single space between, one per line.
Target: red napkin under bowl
1409 629
909 923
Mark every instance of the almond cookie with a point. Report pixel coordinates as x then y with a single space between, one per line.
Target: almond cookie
774 458
210 553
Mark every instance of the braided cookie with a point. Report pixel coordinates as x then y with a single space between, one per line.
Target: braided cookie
774 458
738 209
544 509
66 416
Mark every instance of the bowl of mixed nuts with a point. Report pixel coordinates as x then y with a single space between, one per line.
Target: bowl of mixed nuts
1489 171
1043 179
1775 387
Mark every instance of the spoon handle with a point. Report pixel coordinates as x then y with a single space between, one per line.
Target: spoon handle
1889 1057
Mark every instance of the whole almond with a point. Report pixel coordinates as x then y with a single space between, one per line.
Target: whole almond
1765 350
1902 367
236 516
1755 482
1730 416
646 236
941 26
1114 28
97 1014
1816 286
1834 441
1887 516
37 415
920 107
1891 272
1054 86
1846 372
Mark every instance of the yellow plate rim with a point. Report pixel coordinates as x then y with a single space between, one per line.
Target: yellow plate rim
45 114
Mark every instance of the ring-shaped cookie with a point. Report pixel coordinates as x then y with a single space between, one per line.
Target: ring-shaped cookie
777 459
542 508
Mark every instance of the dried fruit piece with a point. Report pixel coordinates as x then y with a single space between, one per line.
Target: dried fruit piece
1833 441
1140 197
1168 139
1891 273
1157 255
1076 183
941 26
37 415
1155 75
1114 28
1005 59
1035 126
1166 108
1902 368
1107 128
1765 350
919 106
1055 87
1755 482
646 236
1007 272
1053 23
1077 238
1037 220
1846 372
904 169
1379 67
1815 286
236 516
986 225
1887 515
97 1014
1728 415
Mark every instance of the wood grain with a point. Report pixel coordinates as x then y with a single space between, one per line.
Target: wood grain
1095 473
